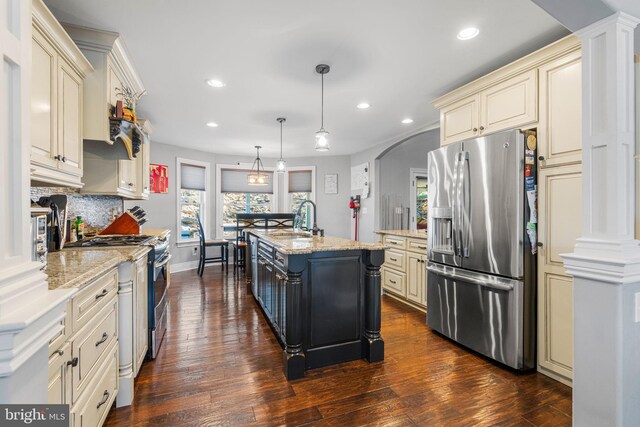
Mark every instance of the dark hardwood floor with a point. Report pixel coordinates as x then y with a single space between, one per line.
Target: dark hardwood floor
220 364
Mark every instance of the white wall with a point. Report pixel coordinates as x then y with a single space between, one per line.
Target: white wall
333 209
370 221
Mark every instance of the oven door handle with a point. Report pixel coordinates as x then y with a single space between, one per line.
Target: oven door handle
163 262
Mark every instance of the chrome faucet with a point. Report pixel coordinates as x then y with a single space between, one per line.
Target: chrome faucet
315 230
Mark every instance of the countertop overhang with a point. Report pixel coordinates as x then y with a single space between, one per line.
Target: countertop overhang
74 268
294 245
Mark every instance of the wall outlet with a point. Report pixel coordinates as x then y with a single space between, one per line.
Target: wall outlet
637 307
364 211
195 250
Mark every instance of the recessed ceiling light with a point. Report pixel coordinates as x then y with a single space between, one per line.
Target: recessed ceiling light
468 33
212 125
216 83
407 121
363 105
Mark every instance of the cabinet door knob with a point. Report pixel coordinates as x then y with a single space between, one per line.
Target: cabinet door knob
475 130
56 157
541 158
481 128
131 184
64 159
73 362
539 244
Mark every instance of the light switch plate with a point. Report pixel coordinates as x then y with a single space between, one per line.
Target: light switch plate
364 211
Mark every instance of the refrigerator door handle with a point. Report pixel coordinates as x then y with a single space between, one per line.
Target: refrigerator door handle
466 202
454 207
486 281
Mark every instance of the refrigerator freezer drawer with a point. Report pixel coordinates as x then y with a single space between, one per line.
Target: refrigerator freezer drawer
482 312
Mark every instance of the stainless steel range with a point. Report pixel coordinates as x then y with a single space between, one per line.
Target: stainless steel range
158 278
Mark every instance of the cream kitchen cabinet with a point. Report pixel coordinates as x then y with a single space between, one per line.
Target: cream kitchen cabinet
559 225
404 270
560 125
417 278
511 103
141 301
83 361
460 120
57 81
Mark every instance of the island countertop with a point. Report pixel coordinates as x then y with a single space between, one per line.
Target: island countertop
293 245
75 268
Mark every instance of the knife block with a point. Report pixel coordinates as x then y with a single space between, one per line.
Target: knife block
124 224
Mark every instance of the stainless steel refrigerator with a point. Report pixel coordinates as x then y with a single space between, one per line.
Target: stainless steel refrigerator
481 270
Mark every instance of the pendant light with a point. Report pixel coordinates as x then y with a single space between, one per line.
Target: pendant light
257 175
322 136
281 165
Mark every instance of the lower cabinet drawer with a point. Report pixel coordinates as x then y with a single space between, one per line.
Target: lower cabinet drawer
394 259
417 245
93 407
394 281
91 299
91 344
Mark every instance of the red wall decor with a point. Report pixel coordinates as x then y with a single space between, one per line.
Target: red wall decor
159 178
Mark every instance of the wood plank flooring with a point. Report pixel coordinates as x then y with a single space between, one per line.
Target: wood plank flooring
220 364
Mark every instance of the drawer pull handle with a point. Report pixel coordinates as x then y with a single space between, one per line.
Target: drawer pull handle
58 352
102 294
73 362
103 339
105 397
281 276
392 281
393 259
422 247
392 242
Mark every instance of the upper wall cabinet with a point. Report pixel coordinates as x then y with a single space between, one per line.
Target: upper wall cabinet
515 96
114 74
58 71
560 127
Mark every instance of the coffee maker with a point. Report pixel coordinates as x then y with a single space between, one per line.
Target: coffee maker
56 220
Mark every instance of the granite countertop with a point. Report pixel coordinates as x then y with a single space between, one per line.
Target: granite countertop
308 244
405 233
160 233
76 267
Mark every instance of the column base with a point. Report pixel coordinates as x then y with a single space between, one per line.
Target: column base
125 390
294 365
373 349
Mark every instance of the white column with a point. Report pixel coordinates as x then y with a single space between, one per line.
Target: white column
29 314
606 262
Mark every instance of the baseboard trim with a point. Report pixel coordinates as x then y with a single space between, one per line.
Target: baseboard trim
184 266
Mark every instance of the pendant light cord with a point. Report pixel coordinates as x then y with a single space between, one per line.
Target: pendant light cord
322 103
280 139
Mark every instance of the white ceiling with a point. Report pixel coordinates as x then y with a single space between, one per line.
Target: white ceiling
397 55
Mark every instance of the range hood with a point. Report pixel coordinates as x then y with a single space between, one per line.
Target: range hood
104 134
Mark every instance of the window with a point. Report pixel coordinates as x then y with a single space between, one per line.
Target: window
192 183
300 186
236 196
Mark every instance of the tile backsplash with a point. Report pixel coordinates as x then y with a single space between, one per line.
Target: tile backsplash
96 211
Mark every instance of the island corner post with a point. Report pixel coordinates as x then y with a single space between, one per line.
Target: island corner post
372 339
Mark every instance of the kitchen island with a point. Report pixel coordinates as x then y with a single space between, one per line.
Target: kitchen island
321 296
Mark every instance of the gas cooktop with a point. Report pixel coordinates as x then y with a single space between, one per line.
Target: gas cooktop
113 240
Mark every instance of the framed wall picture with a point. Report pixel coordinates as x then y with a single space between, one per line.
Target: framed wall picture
331 183
159 179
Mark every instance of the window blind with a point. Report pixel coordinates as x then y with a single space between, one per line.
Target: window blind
235 181
300 181
192 177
